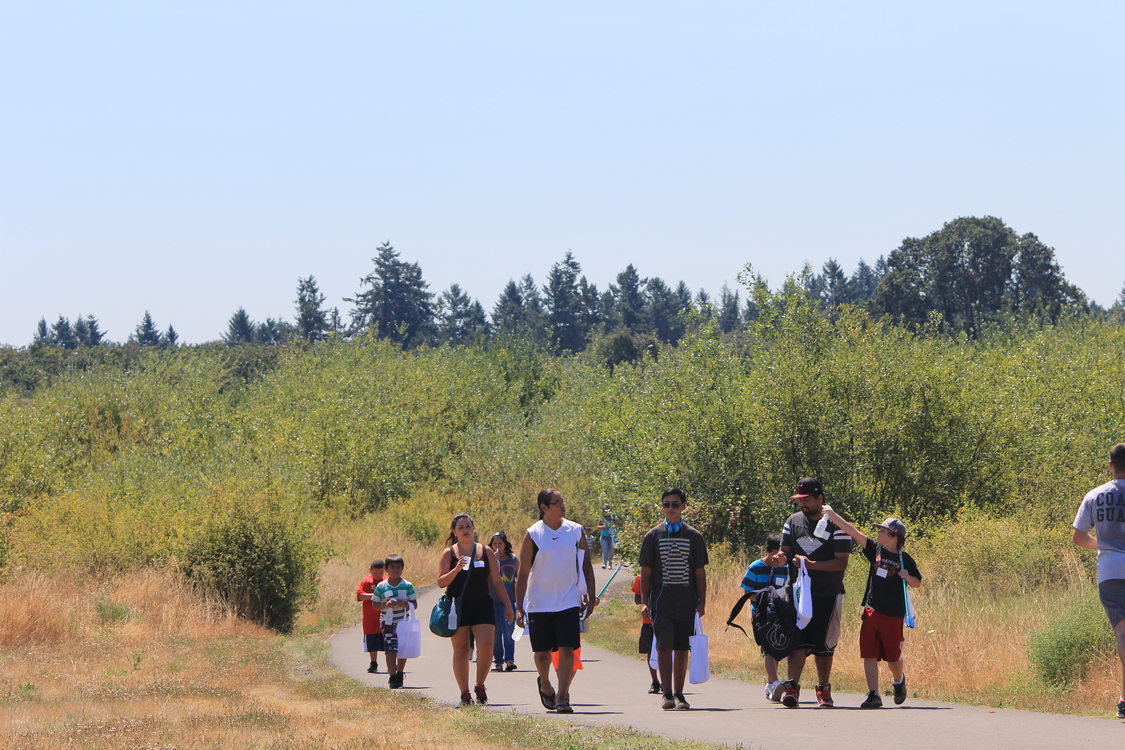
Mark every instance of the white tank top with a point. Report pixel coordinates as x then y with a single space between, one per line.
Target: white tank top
556 581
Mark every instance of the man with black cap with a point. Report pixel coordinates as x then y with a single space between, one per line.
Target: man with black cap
826 558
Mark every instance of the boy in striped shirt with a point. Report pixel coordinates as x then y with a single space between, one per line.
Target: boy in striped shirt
393 597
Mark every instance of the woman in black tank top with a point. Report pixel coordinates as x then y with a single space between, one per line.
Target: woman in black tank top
469 571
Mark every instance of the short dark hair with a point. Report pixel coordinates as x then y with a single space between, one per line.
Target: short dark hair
1117 456
394 559
675 491
773 542
380 563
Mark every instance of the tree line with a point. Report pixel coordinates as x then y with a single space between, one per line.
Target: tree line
972 271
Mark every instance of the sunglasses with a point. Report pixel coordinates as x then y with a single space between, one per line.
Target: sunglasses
672 504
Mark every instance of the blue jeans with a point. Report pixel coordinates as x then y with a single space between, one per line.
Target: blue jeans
607 550
503 647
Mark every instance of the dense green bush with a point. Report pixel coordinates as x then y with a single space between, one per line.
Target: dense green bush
1061 653
258 559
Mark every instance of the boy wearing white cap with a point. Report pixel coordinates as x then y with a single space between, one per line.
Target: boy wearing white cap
884 603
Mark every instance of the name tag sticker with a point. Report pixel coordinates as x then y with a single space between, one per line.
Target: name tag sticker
881 572
478 564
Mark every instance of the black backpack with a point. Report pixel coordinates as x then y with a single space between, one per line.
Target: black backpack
774 621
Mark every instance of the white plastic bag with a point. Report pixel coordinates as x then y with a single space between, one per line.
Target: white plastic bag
409 636
699 668
802 592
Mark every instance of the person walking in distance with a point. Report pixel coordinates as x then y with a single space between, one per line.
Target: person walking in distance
673 591
1103 512
555 584
826 558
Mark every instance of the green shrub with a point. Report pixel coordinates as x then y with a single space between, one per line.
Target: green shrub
258 559
1062 653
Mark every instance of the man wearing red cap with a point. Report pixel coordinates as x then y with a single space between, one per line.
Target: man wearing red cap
826 559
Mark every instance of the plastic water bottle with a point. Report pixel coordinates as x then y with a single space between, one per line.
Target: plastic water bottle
517 633
821 529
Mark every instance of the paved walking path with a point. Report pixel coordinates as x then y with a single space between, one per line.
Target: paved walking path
610 690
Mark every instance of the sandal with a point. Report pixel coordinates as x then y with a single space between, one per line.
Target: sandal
563 707
548 701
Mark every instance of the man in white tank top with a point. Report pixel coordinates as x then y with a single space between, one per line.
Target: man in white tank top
551 594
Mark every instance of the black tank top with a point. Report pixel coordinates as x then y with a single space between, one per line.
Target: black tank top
477 588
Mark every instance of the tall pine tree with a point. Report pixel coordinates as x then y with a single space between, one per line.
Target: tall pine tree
395 302
312 318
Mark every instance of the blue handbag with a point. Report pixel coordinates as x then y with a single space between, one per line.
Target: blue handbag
444 615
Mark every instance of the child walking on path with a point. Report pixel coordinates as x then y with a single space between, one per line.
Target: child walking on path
884 602
644 642
393 597
771 570
372 625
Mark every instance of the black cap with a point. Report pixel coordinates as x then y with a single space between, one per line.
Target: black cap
806 487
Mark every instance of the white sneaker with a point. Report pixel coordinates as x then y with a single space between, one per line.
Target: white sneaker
773 690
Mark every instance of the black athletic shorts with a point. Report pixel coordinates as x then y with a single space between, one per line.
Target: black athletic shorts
550 631
673 634
814 635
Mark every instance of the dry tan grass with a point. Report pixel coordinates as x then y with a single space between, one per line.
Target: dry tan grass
139 661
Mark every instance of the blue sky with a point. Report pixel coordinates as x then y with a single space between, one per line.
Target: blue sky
191 158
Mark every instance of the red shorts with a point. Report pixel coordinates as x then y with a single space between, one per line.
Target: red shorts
880 636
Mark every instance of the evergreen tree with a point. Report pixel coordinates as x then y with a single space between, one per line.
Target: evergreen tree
240 329
705 304
836 290
146 332
631 300
271 332
534 309
63 335
730 314
461 320
508 312
171 338
89 331
608 312
565 306
396 303
663 310
312 318
591 312
862 283
335 323
42 334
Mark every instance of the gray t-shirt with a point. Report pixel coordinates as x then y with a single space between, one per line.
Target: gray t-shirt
1103 512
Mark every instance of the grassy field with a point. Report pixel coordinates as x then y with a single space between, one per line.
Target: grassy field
141 661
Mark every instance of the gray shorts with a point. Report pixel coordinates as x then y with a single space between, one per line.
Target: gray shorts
1112 594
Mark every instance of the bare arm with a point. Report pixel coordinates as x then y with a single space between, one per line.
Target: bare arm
701 588
1084 540
839 562
447 569
646 587
858 536
521 578
588 573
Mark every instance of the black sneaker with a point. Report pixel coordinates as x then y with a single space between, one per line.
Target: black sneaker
791 695
396 680
482 696
466 698
668 703
654 689
1121 709
900 691
681 702
373 668
873 701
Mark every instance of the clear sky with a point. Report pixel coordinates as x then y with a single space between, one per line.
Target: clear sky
188 158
